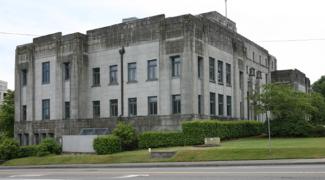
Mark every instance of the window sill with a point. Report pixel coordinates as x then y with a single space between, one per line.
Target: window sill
95 85
113 84
131 82
212 81
45 83
148 80
220 83
175 77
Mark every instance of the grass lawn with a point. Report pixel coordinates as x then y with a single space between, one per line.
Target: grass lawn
240 149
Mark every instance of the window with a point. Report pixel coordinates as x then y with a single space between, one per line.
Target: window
26 139
260 59
220 103
66 71
152 70
228 74
212 103
266 78
253 56
220 72
113 74
45 72
45 109
199 102
152 105
241 80
132 69
212 69
229 106
96 76
199 67
114 107
24 113
176 66
36 138
96 109
132 106
176 104
24 77
67 110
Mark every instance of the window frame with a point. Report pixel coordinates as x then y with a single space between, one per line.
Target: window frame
152 70
176 104
24 77
212 69
152 105
176 66
67 110
220 72
212 104
96 76
96 112
113 107
67 71
132 72
229 105
46 108
113 74
132 105
46 75
221 104
228 74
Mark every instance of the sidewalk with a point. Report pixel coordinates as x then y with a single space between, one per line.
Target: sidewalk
178 164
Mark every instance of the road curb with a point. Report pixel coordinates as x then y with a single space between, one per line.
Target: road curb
178 164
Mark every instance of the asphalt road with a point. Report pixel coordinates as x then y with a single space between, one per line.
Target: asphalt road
206 173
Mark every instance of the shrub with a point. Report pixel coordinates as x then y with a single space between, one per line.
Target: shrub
49 146
290 128
161 139
318 131
107 144
9 149
127 135
27 151
196 131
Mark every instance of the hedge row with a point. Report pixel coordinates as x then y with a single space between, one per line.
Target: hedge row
108 144
194 133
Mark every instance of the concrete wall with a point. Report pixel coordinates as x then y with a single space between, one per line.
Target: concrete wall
3 90
78 143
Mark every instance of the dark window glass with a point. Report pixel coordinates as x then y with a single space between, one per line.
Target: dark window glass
199 67
220 103
67 109
45 72
199 104
114 107
36 138
241 80
26 139
132 70
152 70
96 109
228 74
176 66
113 74
176 104
220 72
24 113
24 77
132 106
66 71
45 109
212 103
96 76
20 137
229 106
152 105
212 69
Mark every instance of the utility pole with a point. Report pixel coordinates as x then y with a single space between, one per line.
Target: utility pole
122 51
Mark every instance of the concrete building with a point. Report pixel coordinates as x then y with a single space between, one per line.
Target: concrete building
174 69
3 90
293 77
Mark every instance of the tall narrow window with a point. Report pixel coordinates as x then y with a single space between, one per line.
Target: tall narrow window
199 67
152 69
228 74
212 103
24 77
96 109
45 72
114 107
24 113
113 74
253 56
229 110
96 76
176 66
67 110
26 139
132 106
212 75
45 109
66 71
220 104
199 103
176 104
241 80
132 70
152 105
220 72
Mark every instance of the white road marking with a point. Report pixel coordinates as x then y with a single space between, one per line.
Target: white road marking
27 175
132 176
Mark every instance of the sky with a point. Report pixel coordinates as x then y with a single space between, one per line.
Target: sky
291 30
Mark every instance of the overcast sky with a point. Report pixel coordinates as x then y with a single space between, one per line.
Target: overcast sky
258 20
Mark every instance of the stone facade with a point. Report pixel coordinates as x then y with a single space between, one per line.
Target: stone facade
195 57
293 77
3 90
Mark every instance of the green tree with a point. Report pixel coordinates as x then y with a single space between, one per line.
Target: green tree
318 115
7 114
319 86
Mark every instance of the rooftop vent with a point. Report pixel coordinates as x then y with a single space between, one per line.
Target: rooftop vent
129 19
